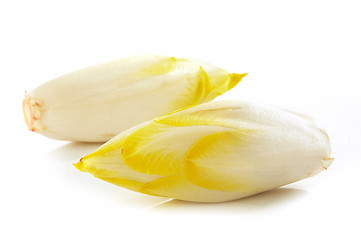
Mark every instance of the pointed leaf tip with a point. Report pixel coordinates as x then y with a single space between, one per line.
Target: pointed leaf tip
79 165
235 79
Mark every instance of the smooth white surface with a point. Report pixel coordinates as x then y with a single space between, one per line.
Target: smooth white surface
300 55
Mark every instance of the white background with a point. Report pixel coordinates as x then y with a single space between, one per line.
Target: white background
301 55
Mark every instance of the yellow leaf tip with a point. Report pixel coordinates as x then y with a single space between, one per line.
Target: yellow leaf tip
235 78
79 165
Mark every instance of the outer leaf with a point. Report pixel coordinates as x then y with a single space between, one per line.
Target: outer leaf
256 159
180 188
160 149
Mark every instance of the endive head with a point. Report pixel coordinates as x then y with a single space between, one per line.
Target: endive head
96 103
213 152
